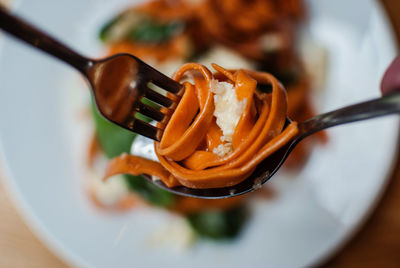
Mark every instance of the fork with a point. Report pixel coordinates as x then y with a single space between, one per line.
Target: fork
120 84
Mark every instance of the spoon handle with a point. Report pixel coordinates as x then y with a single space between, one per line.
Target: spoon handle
36 38
388 104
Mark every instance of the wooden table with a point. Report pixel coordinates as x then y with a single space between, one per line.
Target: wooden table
377 244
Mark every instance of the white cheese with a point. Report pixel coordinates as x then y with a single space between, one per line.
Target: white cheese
223 149
108 192
228 110
272 42
176 235
227 58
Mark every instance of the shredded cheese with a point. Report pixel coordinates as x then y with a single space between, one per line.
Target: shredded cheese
227 112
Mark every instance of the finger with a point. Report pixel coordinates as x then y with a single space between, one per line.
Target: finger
391 79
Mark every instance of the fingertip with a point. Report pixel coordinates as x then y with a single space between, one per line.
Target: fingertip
391 79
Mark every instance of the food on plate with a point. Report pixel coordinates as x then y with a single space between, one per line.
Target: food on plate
222 128
241 36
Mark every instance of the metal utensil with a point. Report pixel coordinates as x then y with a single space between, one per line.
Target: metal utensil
119 83
389 104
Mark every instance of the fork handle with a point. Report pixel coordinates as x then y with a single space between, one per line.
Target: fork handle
388 104
34 37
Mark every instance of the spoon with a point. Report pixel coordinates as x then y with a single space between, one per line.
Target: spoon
385 105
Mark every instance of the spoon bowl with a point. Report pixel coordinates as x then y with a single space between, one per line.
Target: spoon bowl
261 175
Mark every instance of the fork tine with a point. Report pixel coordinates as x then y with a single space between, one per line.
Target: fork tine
150 112
147 130
166 83
158 98
160 79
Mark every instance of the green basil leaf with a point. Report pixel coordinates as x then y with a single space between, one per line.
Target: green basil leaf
219 225
114 141
149 31
106 29
149 191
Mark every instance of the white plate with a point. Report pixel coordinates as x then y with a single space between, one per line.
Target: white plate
314 213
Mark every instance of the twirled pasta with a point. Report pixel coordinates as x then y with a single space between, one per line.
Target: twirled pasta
185 151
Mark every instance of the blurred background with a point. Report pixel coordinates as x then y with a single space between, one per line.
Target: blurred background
377 244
